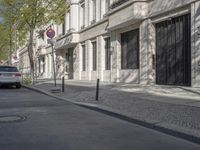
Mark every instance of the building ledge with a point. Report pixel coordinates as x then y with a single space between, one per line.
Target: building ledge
94 25
67 40
123 5
69 32
131 12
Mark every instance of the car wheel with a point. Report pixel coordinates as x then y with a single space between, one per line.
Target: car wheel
18 86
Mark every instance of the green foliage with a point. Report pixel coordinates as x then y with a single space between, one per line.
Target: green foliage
7 30
4 43
25 15
22 17
29 14
27 80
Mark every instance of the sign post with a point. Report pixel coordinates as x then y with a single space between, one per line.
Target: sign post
51 33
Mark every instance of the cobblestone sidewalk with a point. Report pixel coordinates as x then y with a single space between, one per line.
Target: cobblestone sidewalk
175 108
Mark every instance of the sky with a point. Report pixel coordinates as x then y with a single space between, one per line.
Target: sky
1 19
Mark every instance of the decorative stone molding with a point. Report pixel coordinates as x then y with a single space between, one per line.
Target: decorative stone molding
93 21
82 27
117 3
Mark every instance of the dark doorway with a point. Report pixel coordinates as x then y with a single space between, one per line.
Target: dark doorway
70 63
130 50
173 51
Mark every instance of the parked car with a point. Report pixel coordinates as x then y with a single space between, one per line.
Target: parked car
9 75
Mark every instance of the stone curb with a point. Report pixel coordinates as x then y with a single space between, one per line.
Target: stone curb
120 115
46 93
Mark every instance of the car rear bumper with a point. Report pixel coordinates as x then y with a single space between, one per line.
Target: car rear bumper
10 83
10 80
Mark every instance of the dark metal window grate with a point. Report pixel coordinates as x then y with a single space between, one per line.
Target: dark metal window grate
107 53
173 51
84 58
94 47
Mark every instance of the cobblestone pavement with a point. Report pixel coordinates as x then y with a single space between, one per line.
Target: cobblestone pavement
180 113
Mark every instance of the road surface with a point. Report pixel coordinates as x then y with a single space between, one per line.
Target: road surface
33 121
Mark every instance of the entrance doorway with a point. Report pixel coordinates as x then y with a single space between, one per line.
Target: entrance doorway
70 62
173 51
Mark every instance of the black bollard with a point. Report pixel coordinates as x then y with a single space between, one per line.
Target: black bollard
63 84
97 90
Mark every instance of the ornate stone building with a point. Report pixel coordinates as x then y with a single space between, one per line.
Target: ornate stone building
130 41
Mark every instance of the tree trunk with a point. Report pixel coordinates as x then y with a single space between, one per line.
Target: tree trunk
10 51
30 54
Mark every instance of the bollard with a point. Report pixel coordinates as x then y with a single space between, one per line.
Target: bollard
63 84
97 90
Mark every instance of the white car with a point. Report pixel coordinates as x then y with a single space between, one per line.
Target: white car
9 75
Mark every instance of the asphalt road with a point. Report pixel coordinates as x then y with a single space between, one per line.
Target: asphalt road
49 124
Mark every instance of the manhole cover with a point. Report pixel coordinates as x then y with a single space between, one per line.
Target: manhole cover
9 119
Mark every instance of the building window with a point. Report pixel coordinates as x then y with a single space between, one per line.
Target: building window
107 5
107 53
66 58
82 15
64 28
43 64
84 58
94 47
39 67
130 50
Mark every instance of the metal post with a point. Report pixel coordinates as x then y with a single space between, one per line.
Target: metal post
97 90
10 51
54 71
63 84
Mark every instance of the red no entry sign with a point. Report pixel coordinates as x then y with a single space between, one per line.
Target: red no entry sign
50 33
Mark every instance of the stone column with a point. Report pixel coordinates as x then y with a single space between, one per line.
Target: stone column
74 17
98 10
88 48
145 53
76 62
151 53
50 66
100 58
46 65
115 57
87 13
195 43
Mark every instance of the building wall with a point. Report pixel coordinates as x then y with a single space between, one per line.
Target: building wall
195 41
24 63
126 17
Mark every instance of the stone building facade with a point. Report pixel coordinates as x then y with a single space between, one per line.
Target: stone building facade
129 41
24 63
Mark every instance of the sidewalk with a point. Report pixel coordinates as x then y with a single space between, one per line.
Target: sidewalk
175 108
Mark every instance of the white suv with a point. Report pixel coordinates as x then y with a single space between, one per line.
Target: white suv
9 75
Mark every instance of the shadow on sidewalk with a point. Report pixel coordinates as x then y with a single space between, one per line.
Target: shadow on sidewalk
189 90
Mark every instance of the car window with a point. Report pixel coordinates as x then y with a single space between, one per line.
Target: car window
8 69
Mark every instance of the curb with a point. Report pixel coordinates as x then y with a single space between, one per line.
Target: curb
119 115
47 93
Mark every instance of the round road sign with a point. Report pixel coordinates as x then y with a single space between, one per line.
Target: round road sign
50 33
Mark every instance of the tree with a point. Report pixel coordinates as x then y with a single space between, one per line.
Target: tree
6 31
4 43
31 14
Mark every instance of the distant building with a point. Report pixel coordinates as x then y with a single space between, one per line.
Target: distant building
15 58
24 64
